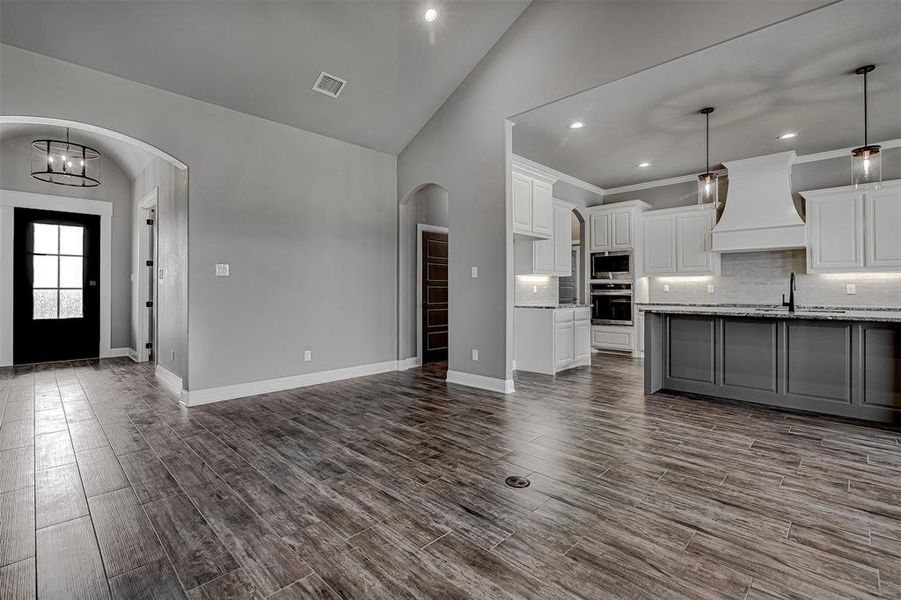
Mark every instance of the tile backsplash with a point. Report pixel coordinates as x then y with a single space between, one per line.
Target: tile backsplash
536 290
762 278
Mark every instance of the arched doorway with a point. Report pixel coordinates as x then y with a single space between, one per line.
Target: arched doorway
423 315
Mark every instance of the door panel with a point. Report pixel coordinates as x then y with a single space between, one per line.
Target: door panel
56 286
435 296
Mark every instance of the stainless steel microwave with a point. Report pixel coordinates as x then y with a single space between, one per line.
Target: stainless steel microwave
611 265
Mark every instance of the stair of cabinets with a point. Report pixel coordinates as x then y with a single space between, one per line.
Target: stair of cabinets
552 256
533 205
852 230
613 227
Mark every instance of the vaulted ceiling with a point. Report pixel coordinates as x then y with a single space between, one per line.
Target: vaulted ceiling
262 58
789 77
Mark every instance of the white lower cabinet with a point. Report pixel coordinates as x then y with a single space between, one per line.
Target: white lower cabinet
613 337
548 340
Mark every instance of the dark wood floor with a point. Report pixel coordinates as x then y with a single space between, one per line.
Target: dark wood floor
392 486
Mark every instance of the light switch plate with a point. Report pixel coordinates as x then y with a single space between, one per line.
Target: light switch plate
475 354
475 272
221 269
851 288
307 355
710 288
161 274
666 288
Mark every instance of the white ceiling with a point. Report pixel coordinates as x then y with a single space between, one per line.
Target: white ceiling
130 158
793 76
262 57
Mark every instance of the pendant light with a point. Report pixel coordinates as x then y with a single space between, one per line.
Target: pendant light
65 163
866 161
707 182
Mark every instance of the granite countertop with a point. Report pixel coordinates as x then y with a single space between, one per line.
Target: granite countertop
551 306
773 311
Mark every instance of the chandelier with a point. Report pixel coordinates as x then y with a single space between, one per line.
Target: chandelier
65 162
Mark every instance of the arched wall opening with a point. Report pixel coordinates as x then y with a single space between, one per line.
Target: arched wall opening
423 212
135 178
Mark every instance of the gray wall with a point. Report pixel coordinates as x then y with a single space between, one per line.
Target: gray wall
554 49
428 206
15 174
172 255
308 223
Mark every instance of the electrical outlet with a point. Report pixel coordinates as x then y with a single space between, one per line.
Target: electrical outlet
160 274
172 356
307 355
475 354
221 269
666 288
475 272
534 289
851 289
710 288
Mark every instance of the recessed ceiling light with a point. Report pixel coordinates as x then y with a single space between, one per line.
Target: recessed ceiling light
643 165
431 15
789 135
576 125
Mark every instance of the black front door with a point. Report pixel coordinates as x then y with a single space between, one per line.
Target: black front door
56 286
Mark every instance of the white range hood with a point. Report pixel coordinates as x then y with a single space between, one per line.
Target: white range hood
760 213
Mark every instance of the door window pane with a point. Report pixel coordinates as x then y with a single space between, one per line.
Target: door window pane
46 238
70 271
70 304
45 271
71 240
44 304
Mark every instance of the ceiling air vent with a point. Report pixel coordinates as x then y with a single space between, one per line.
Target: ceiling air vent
329 84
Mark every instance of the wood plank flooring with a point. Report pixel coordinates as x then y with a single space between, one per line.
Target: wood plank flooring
392 486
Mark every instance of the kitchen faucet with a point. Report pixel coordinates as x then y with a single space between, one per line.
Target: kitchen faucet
792 286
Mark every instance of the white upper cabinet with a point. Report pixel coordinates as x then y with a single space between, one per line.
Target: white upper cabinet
533 205
600 232
621 230
522 203
678 241
659 245
613 227
882 213
852 230
563 255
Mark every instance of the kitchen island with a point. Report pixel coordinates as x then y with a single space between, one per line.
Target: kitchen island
836 361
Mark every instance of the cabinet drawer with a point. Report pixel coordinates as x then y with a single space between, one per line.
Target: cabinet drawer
610 338
562 315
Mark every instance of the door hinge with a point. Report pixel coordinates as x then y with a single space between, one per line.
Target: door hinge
148 345
149 263
149 304
150 221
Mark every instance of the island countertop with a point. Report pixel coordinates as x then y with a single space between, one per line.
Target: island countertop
772 311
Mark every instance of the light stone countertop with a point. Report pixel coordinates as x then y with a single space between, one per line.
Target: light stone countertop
770 311
552 306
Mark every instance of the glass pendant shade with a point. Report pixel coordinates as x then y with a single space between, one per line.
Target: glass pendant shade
708 188
866 168
65 163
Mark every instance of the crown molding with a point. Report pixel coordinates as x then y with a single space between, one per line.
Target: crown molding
531 165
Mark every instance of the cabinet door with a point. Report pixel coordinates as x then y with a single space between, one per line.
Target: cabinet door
564 344
600 232
543 257
883 217
563 256
621 230
836 233
542 208
582 340
692 247
659 245
522 203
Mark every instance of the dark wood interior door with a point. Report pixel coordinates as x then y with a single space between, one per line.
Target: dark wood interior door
56 286
434 296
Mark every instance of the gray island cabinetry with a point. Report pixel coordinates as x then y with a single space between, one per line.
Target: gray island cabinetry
845 363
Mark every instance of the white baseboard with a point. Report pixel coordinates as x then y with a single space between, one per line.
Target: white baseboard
133 354
480 381
116 352
514 365
252 388
169 379
409 363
